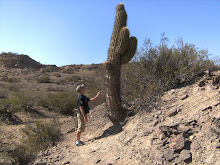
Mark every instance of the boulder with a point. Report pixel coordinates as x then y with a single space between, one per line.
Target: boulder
172 112
195 145
185 155
178 143
202 83
168 155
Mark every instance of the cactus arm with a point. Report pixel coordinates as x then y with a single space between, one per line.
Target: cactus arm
132 46
123 40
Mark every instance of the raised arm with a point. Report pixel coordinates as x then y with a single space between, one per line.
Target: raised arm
94 98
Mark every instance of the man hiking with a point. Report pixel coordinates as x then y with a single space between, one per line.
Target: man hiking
83 109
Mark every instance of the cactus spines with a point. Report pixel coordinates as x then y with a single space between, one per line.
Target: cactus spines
121 50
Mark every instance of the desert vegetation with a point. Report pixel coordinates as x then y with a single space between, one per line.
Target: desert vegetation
36 137
155 69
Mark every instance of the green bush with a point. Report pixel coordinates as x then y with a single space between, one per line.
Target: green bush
13 80
27 99
95 86
36 137
73 78
4 93
155 69
63 102
21 101
42 134
68 70
14 87
57 75
61 81
23 155
54 88
43 79
8 107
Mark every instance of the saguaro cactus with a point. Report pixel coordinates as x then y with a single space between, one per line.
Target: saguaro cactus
121 50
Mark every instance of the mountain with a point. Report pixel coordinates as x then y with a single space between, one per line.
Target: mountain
11 60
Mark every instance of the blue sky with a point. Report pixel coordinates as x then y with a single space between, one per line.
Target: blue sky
64 32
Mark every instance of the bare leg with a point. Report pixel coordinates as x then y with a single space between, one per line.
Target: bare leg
78 135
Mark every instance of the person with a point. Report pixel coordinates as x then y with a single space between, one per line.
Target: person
83 109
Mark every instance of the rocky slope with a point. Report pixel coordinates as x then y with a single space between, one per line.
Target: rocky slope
185 130
10 60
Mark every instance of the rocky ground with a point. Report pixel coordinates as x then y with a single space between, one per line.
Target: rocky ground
185 130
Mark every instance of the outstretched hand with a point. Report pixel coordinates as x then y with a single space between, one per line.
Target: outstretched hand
99 93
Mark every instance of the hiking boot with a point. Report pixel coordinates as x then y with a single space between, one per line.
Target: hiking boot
79 143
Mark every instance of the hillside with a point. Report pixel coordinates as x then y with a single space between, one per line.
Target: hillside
20 73
185 130
11 60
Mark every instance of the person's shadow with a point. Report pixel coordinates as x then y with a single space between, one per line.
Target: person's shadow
112 130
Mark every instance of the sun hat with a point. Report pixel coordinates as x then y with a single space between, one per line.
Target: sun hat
79 87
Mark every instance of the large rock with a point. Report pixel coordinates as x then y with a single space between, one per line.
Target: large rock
178 143
168 155
183 128
172 112
195 145
185 155
153 123
215 80
184 97
202 83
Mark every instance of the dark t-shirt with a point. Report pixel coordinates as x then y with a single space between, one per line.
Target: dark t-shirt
83 101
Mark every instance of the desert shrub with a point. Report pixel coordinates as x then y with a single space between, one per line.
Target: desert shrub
68 70
42 134
43 79
20 101
14 87
43 100
155 69
73 78
55 89
4 93
57 75
62 102
92 89
61 81
12 80
36 137
26 98
23 155
8 107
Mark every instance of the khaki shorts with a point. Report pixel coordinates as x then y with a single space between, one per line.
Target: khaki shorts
81 123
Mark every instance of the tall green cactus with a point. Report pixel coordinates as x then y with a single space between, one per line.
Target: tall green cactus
121 50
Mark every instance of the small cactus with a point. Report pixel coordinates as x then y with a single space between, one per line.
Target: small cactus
121 50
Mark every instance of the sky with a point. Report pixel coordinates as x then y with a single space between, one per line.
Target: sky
65 32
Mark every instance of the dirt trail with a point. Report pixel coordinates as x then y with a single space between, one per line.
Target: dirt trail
181 132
